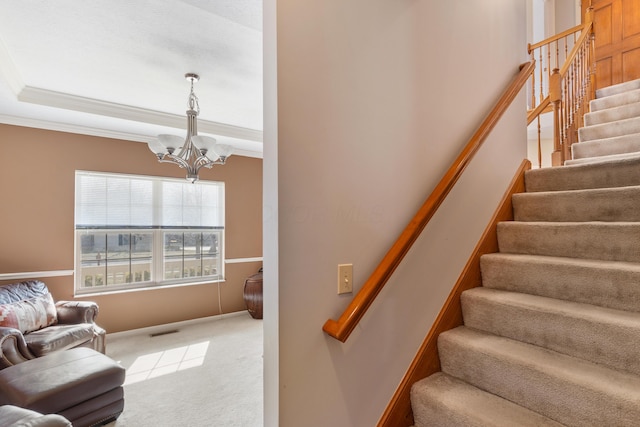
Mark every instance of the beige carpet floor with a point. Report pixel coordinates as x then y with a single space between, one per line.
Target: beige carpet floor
202 374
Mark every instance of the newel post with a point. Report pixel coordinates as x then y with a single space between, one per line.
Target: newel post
555 97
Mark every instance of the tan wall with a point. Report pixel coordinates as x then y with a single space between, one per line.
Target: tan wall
37 221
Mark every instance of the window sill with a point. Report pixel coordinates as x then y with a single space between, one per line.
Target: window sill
145 288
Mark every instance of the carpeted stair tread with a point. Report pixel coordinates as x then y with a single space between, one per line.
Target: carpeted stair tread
610 284
598 159
600 204
566 389
626 111
555 327
443 401
618 88
597 334
619 241
607 146
609 130
616 173
612 101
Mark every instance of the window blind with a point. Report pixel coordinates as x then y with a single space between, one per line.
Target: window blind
130 201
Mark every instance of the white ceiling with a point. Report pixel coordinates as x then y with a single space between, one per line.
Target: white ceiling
116 68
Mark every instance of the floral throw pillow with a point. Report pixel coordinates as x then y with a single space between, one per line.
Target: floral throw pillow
29 315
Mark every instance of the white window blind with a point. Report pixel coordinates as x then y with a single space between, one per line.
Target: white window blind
125 201
191 205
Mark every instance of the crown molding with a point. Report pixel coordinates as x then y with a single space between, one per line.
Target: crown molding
65 127
91 131
66 101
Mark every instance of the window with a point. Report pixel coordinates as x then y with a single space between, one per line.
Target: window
137 231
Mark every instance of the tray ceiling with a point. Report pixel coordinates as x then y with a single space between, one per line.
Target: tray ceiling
116 68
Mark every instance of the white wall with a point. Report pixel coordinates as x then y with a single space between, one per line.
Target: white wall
566 15
546 18
374 99
271 369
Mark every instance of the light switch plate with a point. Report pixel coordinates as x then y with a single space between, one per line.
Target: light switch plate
345 278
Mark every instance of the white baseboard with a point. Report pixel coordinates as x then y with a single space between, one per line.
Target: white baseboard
170 326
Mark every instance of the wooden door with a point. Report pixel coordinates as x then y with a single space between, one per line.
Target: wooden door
617 29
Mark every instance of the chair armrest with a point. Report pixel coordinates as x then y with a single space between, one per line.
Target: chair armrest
13 348
72 312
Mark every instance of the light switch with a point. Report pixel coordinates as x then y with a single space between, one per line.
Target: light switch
345 278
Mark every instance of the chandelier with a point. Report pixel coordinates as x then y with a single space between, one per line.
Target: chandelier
195 151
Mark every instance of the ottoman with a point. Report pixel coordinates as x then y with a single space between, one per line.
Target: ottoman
81 384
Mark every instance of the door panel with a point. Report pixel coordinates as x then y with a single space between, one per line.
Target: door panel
617 27
630 18
602 26
603 73
631 65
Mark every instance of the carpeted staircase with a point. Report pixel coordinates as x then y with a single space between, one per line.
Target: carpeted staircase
552 337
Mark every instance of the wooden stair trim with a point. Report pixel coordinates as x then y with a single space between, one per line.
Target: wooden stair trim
544 107
426 361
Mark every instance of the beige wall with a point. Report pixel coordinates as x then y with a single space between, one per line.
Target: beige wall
37 221
374 99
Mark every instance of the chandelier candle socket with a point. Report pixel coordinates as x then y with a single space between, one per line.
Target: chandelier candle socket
195 151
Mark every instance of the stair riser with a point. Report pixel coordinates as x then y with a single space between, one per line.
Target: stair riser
607 146
609 130
613 101
612 114
609 242
621 204
605 336
614 157
604 284
564 397
579 177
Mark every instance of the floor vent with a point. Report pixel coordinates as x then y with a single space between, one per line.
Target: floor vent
157 334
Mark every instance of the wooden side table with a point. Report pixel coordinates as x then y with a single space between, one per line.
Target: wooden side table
253 294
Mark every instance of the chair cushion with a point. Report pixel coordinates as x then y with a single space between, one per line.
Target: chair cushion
29 314
22 290
58 337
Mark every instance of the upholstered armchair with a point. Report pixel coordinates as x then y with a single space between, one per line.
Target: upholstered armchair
32 325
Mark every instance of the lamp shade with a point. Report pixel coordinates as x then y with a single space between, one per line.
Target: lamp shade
223 150
156 147
171 142
205 143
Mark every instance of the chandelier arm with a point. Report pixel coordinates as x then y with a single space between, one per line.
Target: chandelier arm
204 161
172 158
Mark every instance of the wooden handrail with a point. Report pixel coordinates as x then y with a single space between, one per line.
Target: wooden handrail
549 54
543 107
342 328
570 90
576 47
565 88
556 37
